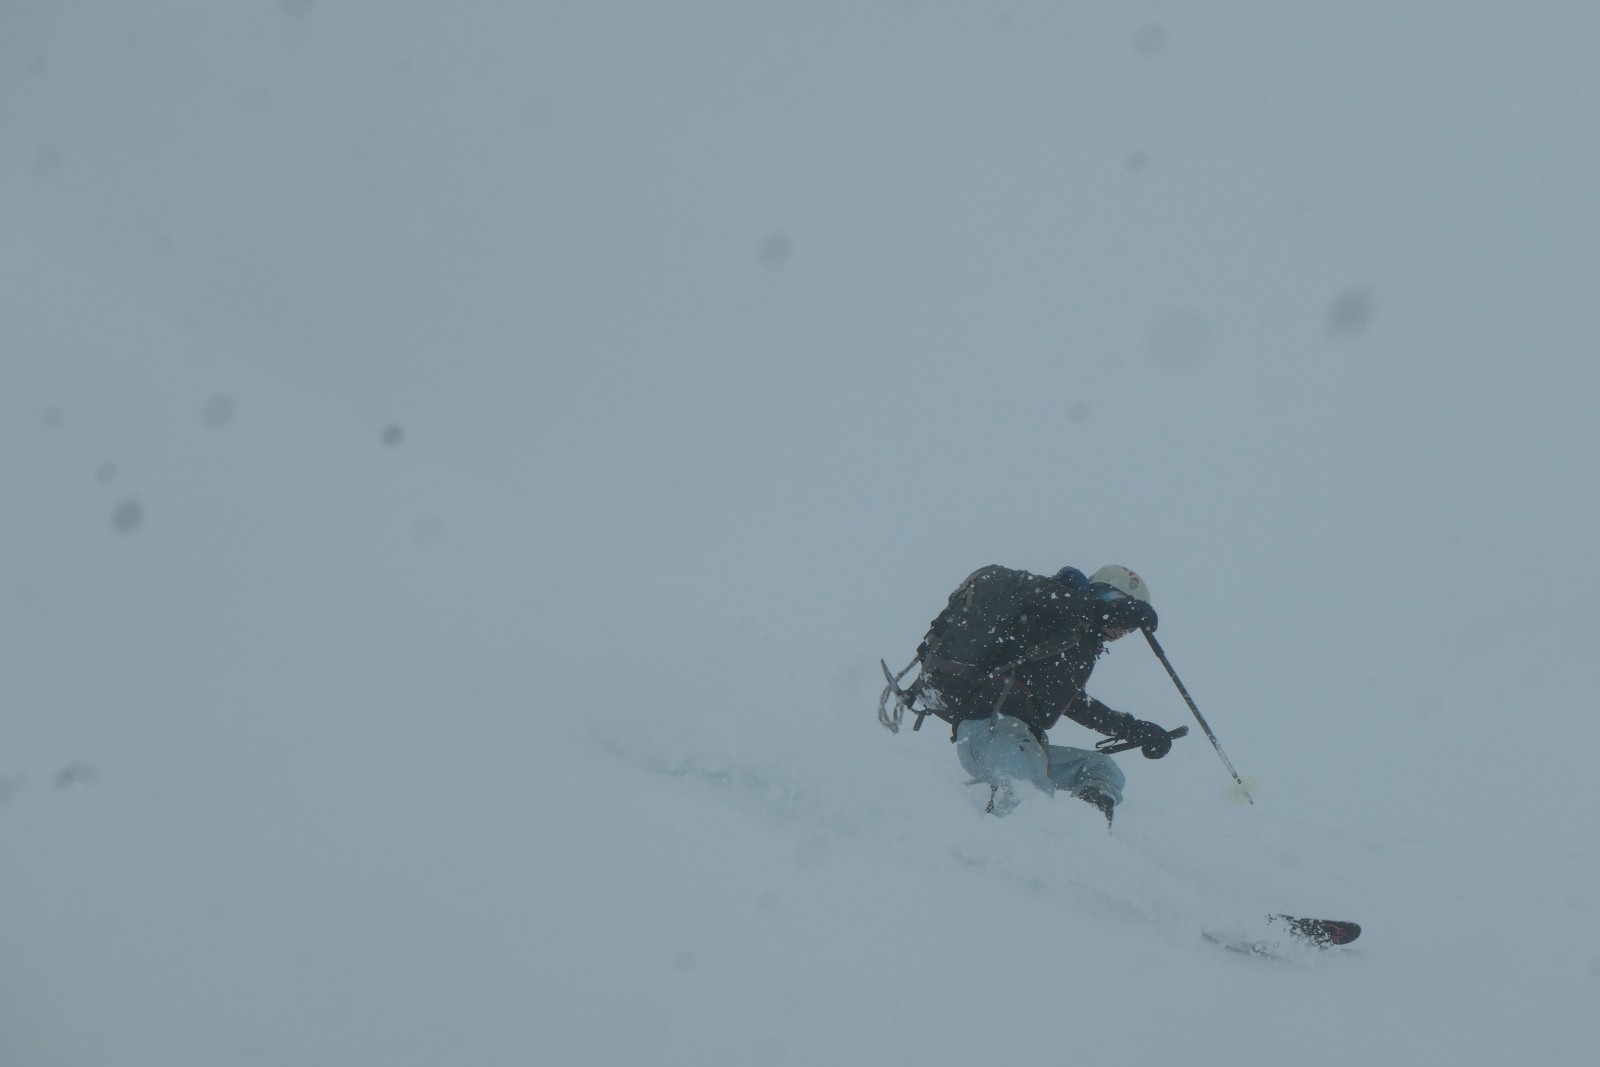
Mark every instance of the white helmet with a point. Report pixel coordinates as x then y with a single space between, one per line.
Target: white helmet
1123 580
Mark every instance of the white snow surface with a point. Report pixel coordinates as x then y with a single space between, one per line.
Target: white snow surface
462 463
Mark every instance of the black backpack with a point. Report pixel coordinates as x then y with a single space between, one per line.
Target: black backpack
965 643
969 629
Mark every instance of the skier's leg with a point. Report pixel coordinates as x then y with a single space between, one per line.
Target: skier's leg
1000 750
1080 771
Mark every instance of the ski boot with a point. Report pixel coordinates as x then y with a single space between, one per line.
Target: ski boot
1099 800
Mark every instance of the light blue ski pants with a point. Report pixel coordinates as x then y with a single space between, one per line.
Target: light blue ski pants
1000 750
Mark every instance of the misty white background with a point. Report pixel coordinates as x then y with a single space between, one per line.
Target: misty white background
460 466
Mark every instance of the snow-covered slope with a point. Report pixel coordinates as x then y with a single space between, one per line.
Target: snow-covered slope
461 469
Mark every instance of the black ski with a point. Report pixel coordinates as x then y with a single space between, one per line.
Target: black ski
1319 932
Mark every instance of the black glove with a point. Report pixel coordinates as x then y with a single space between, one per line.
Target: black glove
1118 611
1152 740
1142 615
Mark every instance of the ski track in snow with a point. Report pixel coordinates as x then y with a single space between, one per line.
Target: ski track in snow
1048 849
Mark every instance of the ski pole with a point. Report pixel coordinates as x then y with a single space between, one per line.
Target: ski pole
1201 719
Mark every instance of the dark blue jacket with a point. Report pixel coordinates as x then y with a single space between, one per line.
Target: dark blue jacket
1025 644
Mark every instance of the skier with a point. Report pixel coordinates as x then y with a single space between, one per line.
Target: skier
1010 655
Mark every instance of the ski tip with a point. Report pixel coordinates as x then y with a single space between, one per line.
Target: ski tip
1321 932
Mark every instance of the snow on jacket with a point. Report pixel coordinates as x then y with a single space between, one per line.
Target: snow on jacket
1024 644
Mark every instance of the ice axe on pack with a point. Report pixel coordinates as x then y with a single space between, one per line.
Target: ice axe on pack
902 699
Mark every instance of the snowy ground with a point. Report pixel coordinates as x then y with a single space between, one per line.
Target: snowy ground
462 464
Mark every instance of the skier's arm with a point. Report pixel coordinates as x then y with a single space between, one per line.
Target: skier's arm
1087 711
1071 607
1152 739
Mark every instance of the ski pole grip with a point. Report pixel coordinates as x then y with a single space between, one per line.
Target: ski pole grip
1111 745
